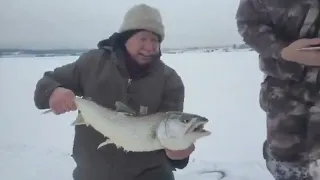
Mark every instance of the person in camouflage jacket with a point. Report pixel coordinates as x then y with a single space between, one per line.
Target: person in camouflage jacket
289 94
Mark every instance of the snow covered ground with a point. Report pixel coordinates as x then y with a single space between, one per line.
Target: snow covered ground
222 86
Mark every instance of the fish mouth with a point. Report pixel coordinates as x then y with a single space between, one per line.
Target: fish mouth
197 127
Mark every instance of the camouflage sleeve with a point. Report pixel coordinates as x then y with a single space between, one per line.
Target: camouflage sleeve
255 27
173 99
67 76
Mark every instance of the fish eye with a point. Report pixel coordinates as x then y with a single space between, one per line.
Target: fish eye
186 120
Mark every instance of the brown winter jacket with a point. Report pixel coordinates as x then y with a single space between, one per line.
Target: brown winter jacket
101 75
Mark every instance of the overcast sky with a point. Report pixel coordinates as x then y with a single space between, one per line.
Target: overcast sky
82 23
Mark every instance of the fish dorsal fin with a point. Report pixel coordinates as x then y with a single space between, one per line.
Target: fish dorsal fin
121 107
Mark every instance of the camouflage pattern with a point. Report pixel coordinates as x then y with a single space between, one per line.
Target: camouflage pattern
287 113
290 92
285 171
270 25
293 124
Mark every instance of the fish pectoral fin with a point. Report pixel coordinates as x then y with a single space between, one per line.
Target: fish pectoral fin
108 141
79 121
121 107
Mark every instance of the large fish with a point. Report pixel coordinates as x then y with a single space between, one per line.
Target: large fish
122 127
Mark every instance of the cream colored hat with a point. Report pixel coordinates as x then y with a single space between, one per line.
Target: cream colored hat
145 17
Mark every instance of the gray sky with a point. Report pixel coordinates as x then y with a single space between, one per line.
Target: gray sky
82 23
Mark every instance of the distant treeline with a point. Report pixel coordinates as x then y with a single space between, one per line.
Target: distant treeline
76 52
40 51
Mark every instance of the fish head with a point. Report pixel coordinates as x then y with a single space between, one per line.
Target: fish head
180 130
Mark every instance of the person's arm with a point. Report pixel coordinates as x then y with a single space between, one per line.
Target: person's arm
174 91
67 76
255 27
173 100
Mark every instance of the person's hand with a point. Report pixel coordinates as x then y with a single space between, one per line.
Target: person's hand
181 154
292 52
62 101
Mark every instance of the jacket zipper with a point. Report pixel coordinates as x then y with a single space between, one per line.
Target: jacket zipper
114 167
129 81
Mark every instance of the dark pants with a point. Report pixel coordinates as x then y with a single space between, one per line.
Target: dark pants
110 163
150 174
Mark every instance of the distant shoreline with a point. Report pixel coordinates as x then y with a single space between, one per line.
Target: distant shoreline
76 52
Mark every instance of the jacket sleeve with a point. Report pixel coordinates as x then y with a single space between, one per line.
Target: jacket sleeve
173 100
173 97
67 76
255 27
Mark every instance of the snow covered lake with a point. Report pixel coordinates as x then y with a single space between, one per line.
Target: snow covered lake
221 86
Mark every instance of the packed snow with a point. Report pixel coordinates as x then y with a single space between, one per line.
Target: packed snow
223 86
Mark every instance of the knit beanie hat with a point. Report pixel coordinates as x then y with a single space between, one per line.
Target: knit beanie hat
145 17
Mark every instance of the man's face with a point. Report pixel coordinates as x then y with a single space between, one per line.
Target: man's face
142 45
